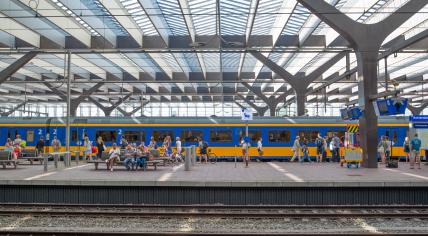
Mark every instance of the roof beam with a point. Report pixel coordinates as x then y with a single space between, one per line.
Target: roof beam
108 110
129 114
12 110
18 64
50 11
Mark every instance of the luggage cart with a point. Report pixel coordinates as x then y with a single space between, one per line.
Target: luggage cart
353 153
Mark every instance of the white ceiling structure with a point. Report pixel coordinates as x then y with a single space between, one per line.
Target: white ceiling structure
196 50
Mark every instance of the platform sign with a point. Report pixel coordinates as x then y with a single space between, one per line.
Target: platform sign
352 113
419 121
246 114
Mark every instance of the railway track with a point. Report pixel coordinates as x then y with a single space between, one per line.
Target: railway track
48 219
216 211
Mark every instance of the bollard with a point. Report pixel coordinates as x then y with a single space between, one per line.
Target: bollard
192 155
77 156
56 161
45 162
188 159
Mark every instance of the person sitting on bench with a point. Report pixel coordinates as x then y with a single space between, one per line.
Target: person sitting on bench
113 154
130 161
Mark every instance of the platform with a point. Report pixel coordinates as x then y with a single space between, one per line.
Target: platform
223 183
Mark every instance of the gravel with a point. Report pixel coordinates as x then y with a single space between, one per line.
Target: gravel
211 224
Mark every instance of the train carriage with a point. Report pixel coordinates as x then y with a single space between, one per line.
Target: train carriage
222 133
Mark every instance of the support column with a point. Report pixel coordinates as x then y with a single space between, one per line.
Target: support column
367 87
67 131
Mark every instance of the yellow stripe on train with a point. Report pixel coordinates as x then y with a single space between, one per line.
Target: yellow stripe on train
237 151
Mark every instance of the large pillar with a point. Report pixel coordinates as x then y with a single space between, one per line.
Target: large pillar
367 87
67 131
300 94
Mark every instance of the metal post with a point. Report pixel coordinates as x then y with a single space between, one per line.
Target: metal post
193 155
67 132
188 159
246 148
45 162
386 73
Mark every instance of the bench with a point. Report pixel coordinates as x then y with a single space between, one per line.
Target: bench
121 162
31 156
5 159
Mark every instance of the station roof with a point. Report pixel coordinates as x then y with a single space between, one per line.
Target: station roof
198 50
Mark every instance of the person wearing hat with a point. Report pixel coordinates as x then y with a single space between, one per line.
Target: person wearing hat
296 149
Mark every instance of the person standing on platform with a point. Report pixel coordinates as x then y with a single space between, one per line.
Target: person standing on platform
336 148
260 149
40 146
88 148
415 147
325 146
406 148
381 148
319 143
388 149
305 151
152 145
203 150
245 146
56 145
296 149
100 147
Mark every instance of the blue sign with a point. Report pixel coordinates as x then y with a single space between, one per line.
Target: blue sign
419 119
391 106
420 126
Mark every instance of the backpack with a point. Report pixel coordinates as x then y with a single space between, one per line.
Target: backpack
204 145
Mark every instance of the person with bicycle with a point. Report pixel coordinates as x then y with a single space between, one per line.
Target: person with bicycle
203 150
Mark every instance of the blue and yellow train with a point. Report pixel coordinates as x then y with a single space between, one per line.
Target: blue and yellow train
221 133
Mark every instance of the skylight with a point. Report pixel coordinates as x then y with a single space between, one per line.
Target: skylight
78 19
140 17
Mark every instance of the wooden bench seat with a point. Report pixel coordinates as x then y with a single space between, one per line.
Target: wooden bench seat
104 157
31 156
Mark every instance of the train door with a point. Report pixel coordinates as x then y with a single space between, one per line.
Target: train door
12 132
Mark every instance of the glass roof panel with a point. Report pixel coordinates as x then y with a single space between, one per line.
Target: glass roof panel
204 16
234 16
230 61
173 16
296 20
140 17
266 16
103 14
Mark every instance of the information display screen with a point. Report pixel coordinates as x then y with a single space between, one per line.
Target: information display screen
383 107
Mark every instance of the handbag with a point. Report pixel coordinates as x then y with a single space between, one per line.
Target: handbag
381 149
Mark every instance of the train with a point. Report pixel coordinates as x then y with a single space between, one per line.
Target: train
222 133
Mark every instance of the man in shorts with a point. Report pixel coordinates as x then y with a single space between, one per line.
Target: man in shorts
203 150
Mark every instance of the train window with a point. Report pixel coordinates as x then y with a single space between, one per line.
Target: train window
330 134
279 136
160 135
74 135
310 135
221 136
253 134
107 135
191 135
134 136
30 136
